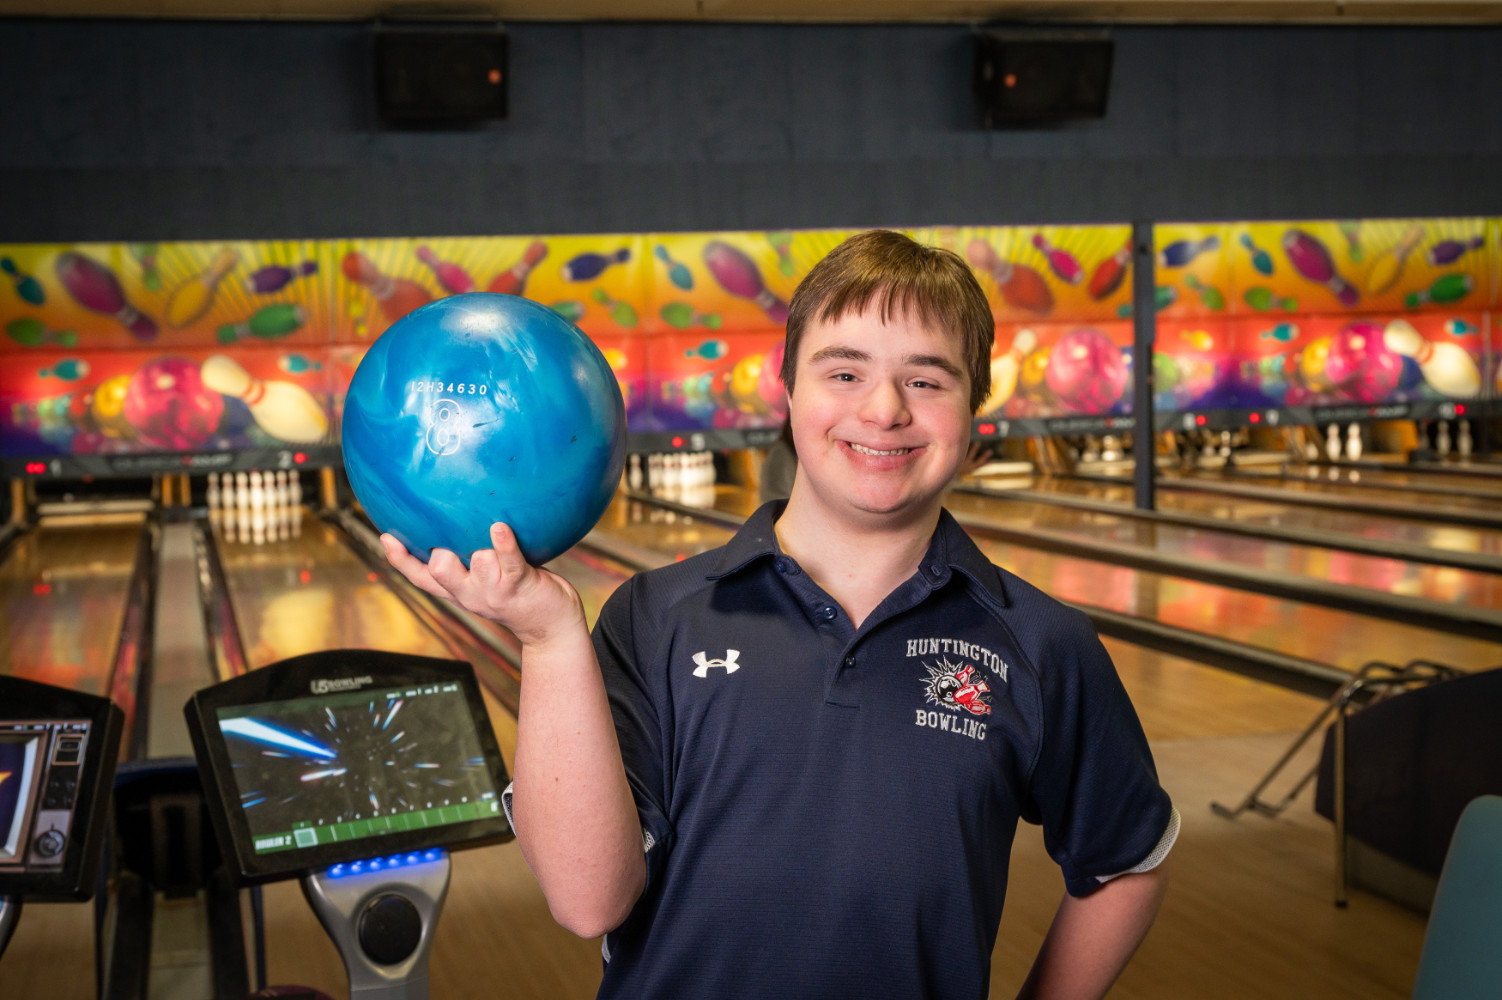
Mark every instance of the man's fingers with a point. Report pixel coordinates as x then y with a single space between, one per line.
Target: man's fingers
413 568
447 570
508 554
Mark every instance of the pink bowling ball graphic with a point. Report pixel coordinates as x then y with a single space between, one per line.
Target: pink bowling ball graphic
1360 366
1086 371
170 407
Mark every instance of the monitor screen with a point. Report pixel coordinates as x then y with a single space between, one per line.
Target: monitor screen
39 769
344 767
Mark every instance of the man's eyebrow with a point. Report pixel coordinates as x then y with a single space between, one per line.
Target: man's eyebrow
839 353
934 361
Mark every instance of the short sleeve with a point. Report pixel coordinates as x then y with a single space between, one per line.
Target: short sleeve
638 723
1094 788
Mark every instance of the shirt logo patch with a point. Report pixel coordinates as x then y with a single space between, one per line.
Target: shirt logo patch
728 664
956 686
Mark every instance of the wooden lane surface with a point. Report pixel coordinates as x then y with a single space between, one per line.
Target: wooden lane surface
313 593
1288 560
62 597
1255 511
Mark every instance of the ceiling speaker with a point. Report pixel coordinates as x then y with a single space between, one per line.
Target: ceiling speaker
1030 78
440 75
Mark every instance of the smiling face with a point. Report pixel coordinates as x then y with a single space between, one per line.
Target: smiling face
880 417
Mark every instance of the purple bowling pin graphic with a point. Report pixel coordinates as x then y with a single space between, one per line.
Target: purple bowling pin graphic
274 277
96 288
588 266
1314 263
738 275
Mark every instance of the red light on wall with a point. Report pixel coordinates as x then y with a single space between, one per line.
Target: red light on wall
1459 409
1200 421
299 458
677 442
1255 418
36 468
986 429
42 588
372 577
305 576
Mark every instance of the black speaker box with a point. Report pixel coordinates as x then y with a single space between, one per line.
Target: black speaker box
440 75
1032 78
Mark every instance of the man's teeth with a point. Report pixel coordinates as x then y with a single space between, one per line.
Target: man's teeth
872 451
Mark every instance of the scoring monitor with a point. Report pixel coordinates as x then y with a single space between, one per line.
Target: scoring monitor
340 756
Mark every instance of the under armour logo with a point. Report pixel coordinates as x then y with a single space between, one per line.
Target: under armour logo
728 663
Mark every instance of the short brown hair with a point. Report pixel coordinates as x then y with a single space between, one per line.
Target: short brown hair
896 274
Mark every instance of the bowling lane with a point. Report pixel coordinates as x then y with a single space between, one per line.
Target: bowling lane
1322 488
314 593
1339 638
1267 512
1393 576
671 533
1426 483
63 592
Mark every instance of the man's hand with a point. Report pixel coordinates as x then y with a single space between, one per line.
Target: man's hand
977 455
535 604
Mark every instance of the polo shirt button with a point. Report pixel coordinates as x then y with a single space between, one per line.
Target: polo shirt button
849 661
828 613
936 570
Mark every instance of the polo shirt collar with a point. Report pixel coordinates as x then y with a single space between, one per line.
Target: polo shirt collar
950 550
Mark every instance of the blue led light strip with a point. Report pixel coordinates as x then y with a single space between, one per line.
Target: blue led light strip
386 863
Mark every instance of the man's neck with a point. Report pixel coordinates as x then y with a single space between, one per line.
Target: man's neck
856 563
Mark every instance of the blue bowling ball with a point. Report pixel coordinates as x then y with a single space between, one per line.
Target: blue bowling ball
480 408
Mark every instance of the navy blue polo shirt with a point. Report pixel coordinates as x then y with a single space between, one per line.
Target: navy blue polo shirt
829 812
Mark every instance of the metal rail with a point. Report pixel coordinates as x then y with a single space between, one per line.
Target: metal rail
129 683
220 624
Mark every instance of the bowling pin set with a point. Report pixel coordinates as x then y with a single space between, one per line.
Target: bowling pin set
683 477
253 508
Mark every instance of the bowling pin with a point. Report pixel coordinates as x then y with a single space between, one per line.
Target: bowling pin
1332 442
1313 262
190 300
1442 439
282 409
654 471
274 277
96 288
295 489
397 296
738 275
242 505
257 509
514 280
281 505
633 475
211 498
1445 366
1463 441
451 276
27 286
1005 368
1353 442
672 471
1388 267
1060 261
1110 272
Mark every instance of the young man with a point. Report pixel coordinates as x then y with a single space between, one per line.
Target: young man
793 766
